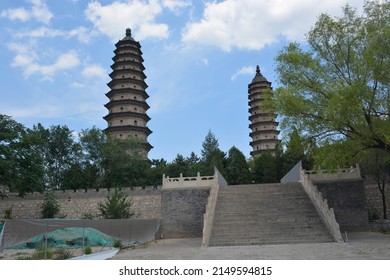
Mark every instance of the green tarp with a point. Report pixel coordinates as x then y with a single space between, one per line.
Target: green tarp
71 237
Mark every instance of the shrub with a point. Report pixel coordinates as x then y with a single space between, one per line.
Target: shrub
88 250
62 254
116 206
8 213
50 206
117 244
42 252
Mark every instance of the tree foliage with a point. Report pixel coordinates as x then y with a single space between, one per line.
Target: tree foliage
338 86
212 155
21 164
237 168
50 206
116 206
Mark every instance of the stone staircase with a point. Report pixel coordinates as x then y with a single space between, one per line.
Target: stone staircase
266 214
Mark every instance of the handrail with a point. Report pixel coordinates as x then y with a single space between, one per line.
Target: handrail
337 174
208 216
180 182
321 204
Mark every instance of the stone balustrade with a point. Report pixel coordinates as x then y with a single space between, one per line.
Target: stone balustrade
208 217
187 182
337 174
321 204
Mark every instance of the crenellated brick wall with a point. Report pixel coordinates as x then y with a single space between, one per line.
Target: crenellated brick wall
146 203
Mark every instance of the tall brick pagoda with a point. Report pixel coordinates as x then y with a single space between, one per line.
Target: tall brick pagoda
263 125
127 107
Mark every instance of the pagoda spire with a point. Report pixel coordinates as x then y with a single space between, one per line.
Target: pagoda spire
127 106
263 124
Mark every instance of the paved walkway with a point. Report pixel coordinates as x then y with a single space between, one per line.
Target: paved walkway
361 246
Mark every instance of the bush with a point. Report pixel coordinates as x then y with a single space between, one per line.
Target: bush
50 206
373 216
116 206
87 250
62 254
40 254
117 244
8 213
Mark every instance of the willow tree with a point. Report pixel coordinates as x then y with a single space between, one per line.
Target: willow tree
337 86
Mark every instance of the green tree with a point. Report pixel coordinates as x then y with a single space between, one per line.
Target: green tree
194 165
178 165
159 167
21 164
209 146
264 169
124 164
116 206
50 206
334 154
338 86
298 149
237 168
59 151
212 155
92 143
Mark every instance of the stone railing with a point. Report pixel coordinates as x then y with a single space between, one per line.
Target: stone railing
208 217
321 204
337 174
186 182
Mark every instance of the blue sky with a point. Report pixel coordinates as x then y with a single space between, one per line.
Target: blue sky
199 58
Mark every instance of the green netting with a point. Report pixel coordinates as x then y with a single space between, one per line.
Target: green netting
1 227
71 237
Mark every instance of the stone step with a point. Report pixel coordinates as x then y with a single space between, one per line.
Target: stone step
253 242
266 214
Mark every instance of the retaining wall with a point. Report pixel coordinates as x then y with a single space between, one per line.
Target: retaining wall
348 200
374 199
182 212
146 203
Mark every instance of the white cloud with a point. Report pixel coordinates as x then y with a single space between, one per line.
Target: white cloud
77 85
16 14
246 70
253 24
140 16
29 63
42 110
94 71
82 33
39 11
40 32
175 5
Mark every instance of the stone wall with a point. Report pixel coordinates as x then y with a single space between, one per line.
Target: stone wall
374 199
182 212
348 199
146 203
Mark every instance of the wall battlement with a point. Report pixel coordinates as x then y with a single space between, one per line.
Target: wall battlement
146 203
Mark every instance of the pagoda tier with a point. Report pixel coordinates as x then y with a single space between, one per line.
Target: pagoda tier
127 106
263 124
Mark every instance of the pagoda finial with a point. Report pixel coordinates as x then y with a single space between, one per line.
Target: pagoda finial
257 69
128 32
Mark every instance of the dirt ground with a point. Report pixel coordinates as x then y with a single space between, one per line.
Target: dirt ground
360 246
17 254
